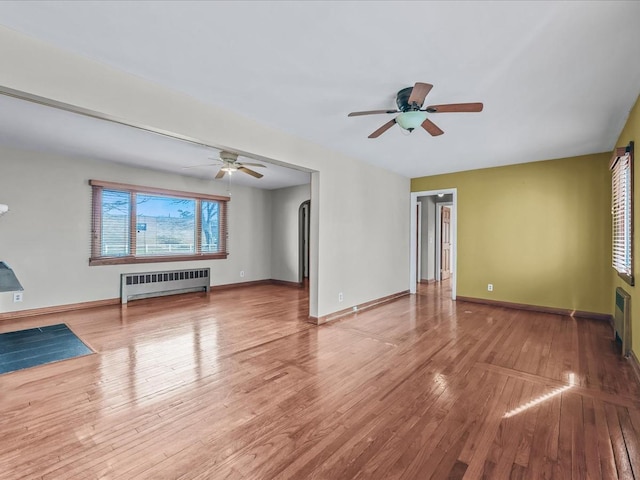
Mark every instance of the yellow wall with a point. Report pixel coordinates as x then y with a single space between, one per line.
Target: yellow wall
631 132
540 232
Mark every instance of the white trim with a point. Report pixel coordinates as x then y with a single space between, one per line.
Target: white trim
419 245
438 247
454 237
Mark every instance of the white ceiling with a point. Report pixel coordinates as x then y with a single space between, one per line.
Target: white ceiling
557 78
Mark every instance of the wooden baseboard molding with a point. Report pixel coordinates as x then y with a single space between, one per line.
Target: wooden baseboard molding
635 365
116 301
357 308
536 308
269 281
58 309
284 283
429 281
227 286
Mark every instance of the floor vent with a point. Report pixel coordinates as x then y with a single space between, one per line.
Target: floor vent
134 286
622 320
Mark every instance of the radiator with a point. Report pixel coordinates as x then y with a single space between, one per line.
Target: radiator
154 284
622 320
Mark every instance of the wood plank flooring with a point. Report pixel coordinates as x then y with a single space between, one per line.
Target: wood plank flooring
237 385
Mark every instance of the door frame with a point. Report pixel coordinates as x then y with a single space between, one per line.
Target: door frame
413 274
304 247
419 242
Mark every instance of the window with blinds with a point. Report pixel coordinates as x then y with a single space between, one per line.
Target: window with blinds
133 224
622 211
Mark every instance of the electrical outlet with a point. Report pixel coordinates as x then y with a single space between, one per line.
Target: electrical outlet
340 297
490 287
242 273
17 297
355 308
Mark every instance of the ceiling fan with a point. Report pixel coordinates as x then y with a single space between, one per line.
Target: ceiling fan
411 114
230 164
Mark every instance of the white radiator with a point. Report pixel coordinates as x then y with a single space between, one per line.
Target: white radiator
622 320
154 284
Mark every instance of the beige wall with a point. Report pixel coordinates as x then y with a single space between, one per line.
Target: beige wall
45 237
631 132
360 234
539 232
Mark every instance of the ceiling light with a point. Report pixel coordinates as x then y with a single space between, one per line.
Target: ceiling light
229 168
441 195
3 208
411 119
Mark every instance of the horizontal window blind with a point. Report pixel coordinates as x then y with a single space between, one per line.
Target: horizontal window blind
133 224
622 212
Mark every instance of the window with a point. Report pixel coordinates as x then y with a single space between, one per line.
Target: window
132 224
622 211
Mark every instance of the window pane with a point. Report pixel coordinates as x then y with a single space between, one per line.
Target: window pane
210 227
622 212
164 225
133 224
116 207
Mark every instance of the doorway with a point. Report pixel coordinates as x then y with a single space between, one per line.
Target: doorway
303 241
433 238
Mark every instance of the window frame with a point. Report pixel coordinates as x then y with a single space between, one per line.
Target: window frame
97 258
622 213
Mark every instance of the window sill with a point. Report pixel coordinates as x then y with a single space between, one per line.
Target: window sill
156 259
627 278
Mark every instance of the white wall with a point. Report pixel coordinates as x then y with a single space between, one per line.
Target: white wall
45 237
428 253
285 204
361 237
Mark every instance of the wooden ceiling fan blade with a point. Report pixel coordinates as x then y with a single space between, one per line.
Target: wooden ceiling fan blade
250 172
419 93
220 174
371 112
456 107
383 129
432 128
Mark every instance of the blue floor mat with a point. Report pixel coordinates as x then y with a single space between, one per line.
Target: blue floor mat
37 346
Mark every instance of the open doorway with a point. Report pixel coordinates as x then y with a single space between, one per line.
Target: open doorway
433 238
303 242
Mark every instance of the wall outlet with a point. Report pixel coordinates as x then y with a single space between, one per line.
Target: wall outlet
242 273
17 297
355 308
340 297
490 287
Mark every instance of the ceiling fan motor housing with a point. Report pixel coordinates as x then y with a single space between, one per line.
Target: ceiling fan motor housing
402 100
228 157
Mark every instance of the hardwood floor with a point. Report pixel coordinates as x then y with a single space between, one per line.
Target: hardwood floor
237 385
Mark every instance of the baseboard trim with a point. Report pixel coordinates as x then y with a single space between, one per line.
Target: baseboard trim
228 286
535 308
429 281
116 301
285 283
58 309
253 283
359 308
635 365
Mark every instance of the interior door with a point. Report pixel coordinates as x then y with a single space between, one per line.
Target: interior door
445 243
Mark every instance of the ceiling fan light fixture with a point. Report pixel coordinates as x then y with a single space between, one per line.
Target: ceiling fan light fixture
411 120
229 168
